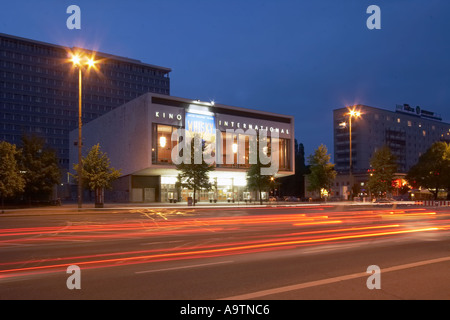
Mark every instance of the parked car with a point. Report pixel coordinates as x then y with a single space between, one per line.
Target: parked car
291 199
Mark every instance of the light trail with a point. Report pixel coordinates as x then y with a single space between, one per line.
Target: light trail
205 252
254 233
197 253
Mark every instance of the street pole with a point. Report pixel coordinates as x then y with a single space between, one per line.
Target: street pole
351 163
80 165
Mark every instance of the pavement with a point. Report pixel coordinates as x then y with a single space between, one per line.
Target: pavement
68 208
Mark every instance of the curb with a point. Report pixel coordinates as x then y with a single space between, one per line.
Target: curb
122 208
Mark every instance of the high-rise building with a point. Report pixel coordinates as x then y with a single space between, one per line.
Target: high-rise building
39 89
407 131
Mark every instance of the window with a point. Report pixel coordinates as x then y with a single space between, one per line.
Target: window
284 161
225 149
162 144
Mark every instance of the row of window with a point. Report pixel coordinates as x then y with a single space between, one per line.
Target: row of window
72 103
409 123
35 119
28 110
52 142
56 76
39 64
163 146
9 127
31 47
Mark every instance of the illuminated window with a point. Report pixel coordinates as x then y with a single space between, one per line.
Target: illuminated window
284 151
162 144
227 137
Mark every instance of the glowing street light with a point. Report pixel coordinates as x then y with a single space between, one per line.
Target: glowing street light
354 113
351 114
77 62
90 62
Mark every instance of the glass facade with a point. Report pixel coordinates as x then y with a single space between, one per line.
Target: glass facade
162 144
234 153
233 150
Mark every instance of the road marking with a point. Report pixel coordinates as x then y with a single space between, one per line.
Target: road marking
262 293
185 267
160 242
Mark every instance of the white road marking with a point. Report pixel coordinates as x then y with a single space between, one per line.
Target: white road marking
185 267
262 293
160 242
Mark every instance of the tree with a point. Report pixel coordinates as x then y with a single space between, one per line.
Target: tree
322 171
97 173
432 171
11 180
257 181
195 176
384 167
39 165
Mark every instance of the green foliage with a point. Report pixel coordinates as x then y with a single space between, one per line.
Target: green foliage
96 170
432 171
11 180
257 181
384 166
322 171
40 169
195 176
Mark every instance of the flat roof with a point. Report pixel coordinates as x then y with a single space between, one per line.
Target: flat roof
396 112
102 54
221 108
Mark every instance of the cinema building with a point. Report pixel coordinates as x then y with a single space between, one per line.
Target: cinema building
138 138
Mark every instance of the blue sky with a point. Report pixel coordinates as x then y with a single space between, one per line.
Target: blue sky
302 58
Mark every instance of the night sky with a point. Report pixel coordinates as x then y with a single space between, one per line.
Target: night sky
302 58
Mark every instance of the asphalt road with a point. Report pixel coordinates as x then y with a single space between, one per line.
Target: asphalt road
237 253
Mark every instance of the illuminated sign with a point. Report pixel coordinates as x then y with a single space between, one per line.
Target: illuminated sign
418 112
202 124
167 115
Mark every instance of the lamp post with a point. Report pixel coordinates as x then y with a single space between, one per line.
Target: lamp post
351 114
76 60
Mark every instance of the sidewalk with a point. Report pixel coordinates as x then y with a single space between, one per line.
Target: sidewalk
89 207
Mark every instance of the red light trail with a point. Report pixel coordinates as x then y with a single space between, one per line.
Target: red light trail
237 235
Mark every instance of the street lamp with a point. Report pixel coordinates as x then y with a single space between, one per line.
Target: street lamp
351 114
77 61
